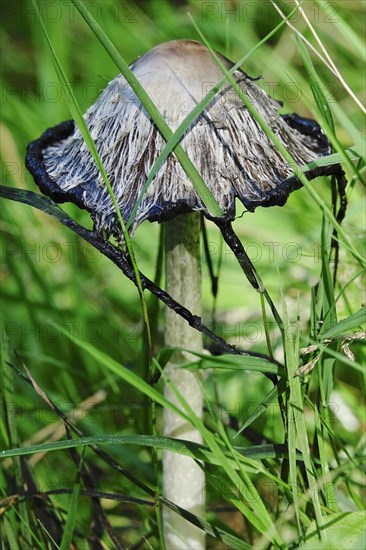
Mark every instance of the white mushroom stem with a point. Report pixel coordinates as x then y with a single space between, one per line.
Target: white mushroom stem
183 479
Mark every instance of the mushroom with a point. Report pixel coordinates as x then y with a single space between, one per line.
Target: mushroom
234 157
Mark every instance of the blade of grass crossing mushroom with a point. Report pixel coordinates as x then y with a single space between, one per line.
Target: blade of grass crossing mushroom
172 145
197 181
347 241
353 153
193 115
79 119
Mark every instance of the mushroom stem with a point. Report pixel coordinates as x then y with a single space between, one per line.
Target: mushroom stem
183 479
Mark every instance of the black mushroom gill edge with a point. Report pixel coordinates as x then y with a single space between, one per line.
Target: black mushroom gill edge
275 197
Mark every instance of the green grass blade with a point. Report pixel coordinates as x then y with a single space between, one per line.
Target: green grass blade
72 515
357 320
329 314
341 358
316 86
292 454
9 535
193 115
342 530
228 362
325 112
248 456
122 372
80 121
295 406
328 488
253 495
191 171
263 407
353 153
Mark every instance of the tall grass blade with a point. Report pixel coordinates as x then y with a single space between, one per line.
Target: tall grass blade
356 320
72 515
316 87
295 407
79 119
197 181
192 116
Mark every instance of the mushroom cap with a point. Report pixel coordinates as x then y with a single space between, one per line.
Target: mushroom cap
229 149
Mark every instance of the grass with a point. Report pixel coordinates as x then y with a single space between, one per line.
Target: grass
72 324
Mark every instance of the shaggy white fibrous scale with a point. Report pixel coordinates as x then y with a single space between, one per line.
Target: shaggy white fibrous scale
227 146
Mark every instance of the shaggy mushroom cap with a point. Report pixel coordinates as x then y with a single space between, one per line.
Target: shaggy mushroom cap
229 149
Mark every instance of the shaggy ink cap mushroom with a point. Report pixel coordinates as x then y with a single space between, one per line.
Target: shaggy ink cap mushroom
229 149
